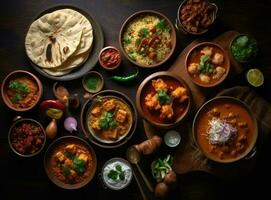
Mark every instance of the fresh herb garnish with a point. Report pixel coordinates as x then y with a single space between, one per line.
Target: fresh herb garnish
118 173
107 121
205 65
127 40
163 97
79 165
161 25
144 32
132 56
66 170
138 41
21 90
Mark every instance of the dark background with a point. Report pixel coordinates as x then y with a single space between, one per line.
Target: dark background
22 178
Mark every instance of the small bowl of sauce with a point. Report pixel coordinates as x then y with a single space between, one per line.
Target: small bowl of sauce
172 138
93 82
110 58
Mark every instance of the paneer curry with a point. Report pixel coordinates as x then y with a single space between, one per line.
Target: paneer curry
164 99
225 130
109 119
71 163
207 64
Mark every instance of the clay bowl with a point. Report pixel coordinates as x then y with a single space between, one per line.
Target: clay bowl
20 74
226 104
181 109
195 52
69 140
115 54
142 14
12 137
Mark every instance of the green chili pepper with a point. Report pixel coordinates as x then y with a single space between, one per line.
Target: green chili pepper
125 78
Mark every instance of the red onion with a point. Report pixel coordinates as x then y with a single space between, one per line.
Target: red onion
70 124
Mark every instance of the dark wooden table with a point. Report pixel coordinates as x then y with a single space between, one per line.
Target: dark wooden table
27 178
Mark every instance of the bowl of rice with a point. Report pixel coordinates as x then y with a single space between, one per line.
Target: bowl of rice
147 38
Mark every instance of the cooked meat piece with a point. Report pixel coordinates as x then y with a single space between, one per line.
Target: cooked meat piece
96 111
68 162
121 116
109 105
204 78
193 68
71 148
152 102
159 84
218 59
96 125
83 157
208 51
167 111
219 72
60 156
111 134
180 93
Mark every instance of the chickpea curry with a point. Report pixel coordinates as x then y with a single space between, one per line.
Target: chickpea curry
207 64
225 130
71 163
164 100
110 119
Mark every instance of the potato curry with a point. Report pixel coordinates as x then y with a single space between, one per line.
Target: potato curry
71 163
110 119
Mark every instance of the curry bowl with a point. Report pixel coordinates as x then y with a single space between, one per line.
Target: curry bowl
163 99
225 129
147 38
70 162
207 64
108 119
26 137
21 90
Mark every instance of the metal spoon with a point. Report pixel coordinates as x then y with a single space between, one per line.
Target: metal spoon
140 187
134 157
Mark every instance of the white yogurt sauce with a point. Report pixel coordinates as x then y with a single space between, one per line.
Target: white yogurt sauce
117 184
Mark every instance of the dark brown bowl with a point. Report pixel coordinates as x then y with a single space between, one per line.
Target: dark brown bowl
84 118
16 123
142 13
101 62
179 25
16 74
142 88
65 140
225 99
226 59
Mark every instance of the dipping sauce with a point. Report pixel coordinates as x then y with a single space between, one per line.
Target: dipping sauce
93 82
27 137
225 130
110 57
117 173
22 92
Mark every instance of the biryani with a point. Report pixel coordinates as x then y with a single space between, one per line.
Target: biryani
147 39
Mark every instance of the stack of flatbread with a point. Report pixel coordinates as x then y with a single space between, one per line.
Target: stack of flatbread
59 41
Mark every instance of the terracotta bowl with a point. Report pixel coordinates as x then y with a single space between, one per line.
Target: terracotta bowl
226 62
62 141
112 49
145 86
19 74
143 13
17 124
204 144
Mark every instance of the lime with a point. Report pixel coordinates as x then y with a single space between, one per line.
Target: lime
255 77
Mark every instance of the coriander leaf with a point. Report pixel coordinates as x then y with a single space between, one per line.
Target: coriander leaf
119 168
205 66
138 41
66 170
143 32
19 87
161 25
107 121
17 97
122 176
126 40
132 56
79 165
163 97
112 174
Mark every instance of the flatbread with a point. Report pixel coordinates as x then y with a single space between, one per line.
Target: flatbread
57 37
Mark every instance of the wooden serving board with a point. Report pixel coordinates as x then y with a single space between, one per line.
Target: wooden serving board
188 157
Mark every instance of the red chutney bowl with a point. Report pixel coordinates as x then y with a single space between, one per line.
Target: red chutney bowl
110 58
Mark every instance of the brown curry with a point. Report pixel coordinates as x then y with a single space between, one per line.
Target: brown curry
225 130
110 119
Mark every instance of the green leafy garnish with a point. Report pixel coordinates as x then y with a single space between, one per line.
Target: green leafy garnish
244 47
205 65
21 90
144 32
161 25
66 170
116 174
138 41
69 155
79 165
163 97
132 56
127 40
107 121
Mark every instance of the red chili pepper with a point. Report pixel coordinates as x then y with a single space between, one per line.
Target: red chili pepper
50 103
